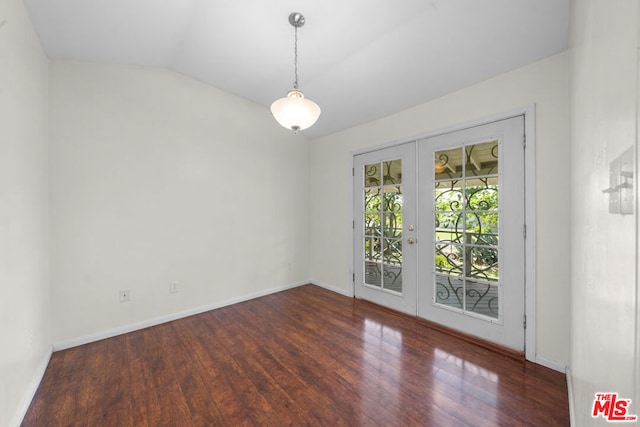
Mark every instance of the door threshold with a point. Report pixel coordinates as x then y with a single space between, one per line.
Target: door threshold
489 345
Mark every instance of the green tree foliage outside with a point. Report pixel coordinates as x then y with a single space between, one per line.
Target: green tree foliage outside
477 206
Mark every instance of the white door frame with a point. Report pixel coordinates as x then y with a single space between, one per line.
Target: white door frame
528 112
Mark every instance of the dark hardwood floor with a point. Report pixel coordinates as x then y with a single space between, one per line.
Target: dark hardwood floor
306 356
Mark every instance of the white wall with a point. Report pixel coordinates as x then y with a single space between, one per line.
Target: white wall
544 83
604 124
155 178
24 265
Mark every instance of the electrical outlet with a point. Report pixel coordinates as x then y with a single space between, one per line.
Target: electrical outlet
124 295
173 287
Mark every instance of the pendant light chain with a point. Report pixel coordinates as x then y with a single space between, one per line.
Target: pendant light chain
295 57
294 111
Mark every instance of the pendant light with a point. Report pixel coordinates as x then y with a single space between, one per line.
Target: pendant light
294 111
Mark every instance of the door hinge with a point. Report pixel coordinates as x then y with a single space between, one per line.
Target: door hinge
353 225
524 231
353 277
353 171
524 141
525 322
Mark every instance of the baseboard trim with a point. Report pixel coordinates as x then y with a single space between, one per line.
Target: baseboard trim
551 364
572 415
109 333
331 288
30 393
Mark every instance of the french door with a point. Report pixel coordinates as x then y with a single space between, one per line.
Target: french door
385 220
463 266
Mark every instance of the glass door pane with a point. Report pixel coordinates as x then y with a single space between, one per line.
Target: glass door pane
382 216
466 277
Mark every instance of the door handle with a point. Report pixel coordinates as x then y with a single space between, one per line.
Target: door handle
411 240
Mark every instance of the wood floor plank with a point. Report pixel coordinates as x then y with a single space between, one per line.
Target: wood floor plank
284 341
170 395
305 356
193 384
142 349
58 388
293 372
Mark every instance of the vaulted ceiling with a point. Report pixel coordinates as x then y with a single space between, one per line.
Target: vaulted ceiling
358 59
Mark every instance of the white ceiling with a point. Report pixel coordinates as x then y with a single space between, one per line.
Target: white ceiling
358 59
